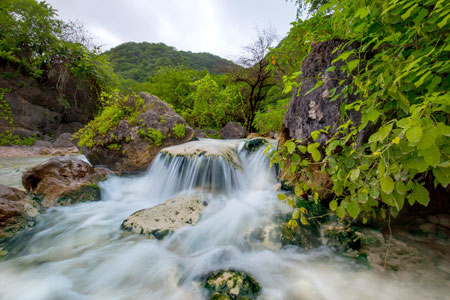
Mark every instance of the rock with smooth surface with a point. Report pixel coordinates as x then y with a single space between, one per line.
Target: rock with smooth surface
162 220
63 181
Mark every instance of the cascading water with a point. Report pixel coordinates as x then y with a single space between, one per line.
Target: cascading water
80 252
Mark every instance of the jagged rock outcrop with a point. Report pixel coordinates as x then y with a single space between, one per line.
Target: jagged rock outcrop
313 111
43 107
233 131
136 144
17 212
64 181
161 220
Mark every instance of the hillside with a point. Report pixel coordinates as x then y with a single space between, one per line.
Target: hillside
138 61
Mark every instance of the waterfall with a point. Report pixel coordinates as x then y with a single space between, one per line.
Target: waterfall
80 252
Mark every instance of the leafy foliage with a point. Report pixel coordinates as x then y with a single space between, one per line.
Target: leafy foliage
400 70
116 108
271 118
139 61
179 130
32 38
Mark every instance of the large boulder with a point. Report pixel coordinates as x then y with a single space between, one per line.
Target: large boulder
161 220
130 148
233 131
17 212
313 111
42 107
64 181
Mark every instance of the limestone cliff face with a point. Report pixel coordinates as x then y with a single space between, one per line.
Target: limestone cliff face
313 111
60 103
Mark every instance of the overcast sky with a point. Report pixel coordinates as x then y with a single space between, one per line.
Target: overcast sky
221 27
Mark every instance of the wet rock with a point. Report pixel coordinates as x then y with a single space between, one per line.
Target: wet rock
63 181
313 111
17 212
162 220
231 284
209 149
64 140
255 144
233 131
128 148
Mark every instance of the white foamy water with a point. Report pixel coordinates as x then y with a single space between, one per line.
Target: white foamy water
79 252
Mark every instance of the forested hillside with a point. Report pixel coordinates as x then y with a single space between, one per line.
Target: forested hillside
138 61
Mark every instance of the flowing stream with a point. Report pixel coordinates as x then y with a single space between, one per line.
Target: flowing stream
80 252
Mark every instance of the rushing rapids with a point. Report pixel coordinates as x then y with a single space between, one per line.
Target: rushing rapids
80 252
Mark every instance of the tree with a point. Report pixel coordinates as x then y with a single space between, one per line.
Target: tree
252 76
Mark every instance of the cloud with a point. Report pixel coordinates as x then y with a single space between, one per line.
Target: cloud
220 27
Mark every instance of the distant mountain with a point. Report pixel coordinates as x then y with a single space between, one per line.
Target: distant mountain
138 61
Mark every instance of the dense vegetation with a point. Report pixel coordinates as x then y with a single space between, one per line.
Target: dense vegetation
139 61
400 65
35 42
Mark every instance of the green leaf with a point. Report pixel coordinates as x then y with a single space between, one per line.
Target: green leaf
420 194
281 196
444 21
301 148
316 198
432 155
442 175
362 12
295 158
290 146
352 65
333 205
414 134
315 154
298 190
340 211
353 209
295 214
381 134
387 184
400 187
422 79
409 11
354 174
315 135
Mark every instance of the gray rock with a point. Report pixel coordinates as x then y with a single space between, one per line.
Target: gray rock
43 144
200 134
132 151
64 140
161 220
71 127
233 131
314 111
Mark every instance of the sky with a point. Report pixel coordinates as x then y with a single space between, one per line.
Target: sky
221 27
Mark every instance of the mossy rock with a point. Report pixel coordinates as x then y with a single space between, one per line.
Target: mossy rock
89 192
230 284
254 144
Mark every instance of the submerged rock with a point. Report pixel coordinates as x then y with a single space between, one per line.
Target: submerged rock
64 181
230 284
161 220
131 147
233 131
17 212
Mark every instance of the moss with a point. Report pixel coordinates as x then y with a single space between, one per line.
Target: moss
230 284
114 147
179 130
89 192
154 136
